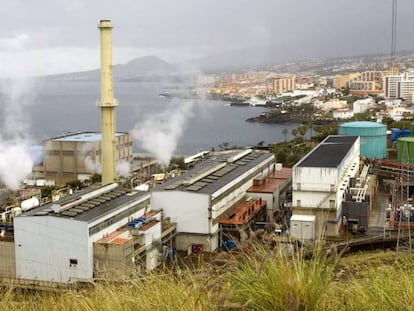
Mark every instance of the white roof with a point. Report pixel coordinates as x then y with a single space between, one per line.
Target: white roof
302 218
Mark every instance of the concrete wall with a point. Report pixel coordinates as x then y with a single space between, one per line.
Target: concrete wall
272 200
64 160
188 210
184 241
45 245
113 260
7 260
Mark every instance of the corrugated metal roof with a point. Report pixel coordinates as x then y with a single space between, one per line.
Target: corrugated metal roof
217 179
93 208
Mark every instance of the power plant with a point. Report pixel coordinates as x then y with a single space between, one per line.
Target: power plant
107 105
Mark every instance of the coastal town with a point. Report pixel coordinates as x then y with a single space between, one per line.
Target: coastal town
216 200
283 225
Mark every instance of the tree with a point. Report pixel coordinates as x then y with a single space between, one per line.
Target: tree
285 132
302 131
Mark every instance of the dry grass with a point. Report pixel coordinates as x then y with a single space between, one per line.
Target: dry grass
260 279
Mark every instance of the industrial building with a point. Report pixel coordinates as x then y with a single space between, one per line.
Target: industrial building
373 137
273 189
86 235
320 181
199 199
78 156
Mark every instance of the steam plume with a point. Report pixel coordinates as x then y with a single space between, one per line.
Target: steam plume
16 161
159 134
123 168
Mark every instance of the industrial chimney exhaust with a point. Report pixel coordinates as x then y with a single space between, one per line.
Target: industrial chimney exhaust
107 105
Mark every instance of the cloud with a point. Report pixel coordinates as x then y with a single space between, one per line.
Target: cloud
14 43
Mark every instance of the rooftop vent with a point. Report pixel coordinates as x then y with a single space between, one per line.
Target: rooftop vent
202 173
239 156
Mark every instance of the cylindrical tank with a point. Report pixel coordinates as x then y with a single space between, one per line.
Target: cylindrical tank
405 149
373 137
29 204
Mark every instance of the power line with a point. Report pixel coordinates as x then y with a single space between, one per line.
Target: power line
393 36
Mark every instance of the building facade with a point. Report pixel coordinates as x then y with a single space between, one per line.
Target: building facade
283 84
198 199
55 242
319 183
78 156
399 86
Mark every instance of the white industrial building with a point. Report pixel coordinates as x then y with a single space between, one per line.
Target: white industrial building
55 242
320 181
198 199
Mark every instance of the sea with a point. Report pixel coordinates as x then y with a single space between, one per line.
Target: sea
186 125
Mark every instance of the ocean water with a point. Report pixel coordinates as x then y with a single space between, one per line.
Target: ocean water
70 106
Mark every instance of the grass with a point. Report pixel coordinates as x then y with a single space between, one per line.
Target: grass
257 279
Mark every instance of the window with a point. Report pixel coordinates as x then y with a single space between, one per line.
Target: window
331 203
109 221
298 203
298 186
73 262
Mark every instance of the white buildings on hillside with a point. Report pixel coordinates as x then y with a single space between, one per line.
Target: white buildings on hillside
400 86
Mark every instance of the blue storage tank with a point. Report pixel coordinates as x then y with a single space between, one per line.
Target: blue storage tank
373 137
397 133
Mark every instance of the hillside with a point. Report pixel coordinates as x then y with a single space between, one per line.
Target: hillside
262 280
147 67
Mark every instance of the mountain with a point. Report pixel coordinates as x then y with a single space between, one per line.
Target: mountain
141 68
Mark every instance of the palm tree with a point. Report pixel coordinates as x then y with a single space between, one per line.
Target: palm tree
294 132
285 132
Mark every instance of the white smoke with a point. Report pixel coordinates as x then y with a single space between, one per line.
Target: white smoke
16 160
15 163
123 168
159 134
92 165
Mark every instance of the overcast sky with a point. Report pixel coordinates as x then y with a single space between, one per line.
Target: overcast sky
51 36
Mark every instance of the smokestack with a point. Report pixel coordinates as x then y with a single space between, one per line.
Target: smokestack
107 105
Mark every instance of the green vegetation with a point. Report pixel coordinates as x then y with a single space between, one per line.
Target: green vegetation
256 279
290 152
351 98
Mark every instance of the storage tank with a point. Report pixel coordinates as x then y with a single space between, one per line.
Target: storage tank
395 133
373 137
405 149
29 204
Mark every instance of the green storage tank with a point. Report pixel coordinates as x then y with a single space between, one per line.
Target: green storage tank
373 137
405 149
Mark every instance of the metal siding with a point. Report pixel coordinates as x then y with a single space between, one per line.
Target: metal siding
373 138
